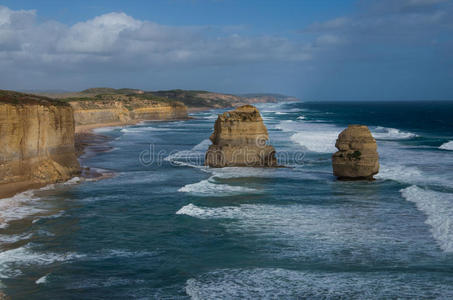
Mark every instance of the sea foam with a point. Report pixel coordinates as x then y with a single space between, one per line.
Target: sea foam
42 280
438 208
385 133
12 260
190 158
18 207
447 146
211 188
313 137
334 234
277 283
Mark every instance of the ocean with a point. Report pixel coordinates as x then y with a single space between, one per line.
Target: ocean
166 227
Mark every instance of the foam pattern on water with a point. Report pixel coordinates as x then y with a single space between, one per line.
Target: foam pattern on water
385 133
348 233
438 208
211 188
18 207
12 260
288 284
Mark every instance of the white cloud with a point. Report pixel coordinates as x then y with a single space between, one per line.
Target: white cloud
116 39
98 35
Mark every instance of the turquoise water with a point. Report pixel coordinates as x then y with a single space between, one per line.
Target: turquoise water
166 227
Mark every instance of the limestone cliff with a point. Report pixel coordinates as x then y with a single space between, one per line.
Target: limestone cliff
193 99
125 109
357 157
240 139
37 142
206 100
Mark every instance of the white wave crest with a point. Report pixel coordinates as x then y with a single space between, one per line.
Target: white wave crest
297 231
385 133
105 129
42 280
190 158
322 143
12 260
10 239
210 213
400 173
213 189
23 205
202 146
143 129
447 146
313 137
18 207
438 208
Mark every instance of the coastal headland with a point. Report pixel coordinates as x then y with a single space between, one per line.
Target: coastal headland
44 133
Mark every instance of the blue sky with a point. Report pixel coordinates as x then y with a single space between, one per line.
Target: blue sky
313 49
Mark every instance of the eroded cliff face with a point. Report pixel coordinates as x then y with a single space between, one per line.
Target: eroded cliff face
37 141
125 109
357 158
240 139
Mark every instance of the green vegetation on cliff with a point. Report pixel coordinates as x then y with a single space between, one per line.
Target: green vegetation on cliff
17 98
191 98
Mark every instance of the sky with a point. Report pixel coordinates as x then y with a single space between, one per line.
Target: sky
311 49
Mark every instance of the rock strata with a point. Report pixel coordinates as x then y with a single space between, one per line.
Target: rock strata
125 109
357 158
37 142
240 140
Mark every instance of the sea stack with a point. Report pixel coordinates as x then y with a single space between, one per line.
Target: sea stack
357 158
240 140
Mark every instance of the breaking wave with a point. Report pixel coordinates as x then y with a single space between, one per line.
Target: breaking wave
11 260
447 146
385 133
211 188
438 208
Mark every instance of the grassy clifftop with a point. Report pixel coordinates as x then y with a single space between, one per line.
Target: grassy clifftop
191 98
16 98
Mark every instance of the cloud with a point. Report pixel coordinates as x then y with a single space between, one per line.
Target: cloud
116 39
382 49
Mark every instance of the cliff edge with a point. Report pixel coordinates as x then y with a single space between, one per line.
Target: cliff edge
36 144
124 109
240 140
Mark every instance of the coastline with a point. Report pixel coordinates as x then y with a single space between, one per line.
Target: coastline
11 189
85 138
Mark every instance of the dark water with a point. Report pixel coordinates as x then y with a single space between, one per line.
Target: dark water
166 227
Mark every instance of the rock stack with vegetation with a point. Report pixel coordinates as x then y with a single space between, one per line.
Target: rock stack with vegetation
240 140
357 158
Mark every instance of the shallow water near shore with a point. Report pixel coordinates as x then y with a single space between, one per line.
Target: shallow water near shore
167 227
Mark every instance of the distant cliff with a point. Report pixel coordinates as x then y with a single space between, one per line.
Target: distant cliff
124 109
204 99
37 142
193 99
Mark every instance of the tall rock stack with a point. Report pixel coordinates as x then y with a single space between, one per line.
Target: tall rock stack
357 158
240 140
